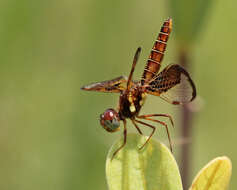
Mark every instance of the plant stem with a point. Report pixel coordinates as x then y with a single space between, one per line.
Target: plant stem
186 129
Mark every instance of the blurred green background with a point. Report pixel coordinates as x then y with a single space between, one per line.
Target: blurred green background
50 137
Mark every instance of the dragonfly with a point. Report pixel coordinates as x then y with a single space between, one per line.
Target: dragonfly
173 84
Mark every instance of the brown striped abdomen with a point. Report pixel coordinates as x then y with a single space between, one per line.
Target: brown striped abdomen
157 52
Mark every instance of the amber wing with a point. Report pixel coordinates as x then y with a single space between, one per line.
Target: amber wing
173 84
157 53
114 85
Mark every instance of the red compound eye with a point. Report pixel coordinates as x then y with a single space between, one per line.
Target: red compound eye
110 120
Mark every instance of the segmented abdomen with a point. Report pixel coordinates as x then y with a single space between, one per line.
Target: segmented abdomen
157 52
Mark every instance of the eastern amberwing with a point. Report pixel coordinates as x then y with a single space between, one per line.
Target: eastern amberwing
172 84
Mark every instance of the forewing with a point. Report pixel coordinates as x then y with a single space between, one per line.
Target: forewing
173 84
114 85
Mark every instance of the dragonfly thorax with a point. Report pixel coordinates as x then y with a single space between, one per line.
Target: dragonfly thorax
130 102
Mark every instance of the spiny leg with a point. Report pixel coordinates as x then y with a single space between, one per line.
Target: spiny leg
133 67
134 123
159 115
162 123
124 139
148 125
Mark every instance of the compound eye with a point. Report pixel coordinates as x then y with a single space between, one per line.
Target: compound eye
110 120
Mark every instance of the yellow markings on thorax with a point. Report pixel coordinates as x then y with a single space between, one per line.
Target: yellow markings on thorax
132 106
143 99
131 99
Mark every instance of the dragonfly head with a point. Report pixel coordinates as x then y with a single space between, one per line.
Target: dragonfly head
110 120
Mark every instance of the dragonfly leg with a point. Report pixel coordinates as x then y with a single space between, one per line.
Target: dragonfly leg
134 123
146 117
159 115
148 125
124 139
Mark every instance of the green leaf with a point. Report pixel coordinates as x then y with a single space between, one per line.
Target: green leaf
152 168
214 176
